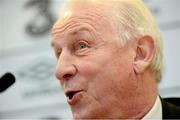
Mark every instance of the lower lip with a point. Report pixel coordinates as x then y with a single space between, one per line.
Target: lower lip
76 98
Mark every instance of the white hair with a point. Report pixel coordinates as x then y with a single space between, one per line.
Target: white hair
133 20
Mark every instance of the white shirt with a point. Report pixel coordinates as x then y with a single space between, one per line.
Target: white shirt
155 112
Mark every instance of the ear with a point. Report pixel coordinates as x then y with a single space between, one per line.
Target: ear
145 51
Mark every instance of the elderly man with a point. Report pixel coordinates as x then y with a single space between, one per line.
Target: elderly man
109 60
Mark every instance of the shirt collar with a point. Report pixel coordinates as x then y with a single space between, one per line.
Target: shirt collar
156 110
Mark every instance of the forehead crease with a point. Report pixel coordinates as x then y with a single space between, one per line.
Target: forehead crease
75 29
79 30
58 30
89 17
71 32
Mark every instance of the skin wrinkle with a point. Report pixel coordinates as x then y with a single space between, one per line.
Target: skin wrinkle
135 100
109 79
59 29
106 73
137 11
89 17
91 33
71 32
147 106
88 26
113 61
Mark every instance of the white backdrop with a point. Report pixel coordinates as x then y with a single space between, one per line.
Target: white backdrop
36 93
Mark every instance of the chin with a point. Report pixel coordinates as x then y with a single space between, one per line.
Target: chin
85 115
88 115
88 109
82 116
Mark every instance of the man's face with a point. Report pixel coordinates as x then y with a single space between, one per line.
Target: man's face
95 73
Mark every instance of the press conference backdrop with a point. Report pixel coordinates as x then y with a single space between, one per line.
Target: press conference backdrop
25 51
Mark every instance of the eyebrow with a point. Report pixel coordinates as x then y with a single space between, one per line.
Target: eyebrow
76 31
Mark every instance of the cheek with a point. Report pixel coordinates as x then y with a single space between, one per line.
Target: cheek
113 77
108 80
104 72
93 72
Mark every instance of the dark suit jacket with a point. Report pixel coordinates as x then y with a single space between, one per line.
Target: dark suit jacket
171 108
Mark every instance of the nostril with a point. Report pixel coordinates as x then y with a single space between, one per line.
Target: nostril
67 76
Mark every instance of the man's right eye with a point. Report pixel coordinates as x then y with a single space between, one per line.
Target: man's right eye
58 53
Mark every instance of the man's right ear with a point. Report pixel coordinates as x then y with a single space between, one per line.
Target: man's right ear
145 51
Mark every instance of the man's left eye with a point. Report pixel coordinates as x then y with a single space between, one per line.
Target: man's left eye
82 45
81 48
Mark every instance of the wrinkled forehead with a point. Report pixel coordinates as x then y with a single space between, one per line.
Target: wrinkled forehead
80 15
86 16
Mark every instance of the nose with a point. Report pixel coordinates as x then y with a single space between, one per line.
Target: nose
65 69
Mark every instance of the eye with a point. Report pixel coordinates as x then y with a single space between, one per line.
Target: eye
81 48
57 53
82 45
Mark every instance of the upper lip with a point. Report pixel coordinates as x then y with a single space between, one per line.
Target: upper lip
71 93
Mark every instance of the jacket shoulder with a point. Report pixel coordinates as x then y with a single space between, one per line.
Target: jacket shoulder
171 108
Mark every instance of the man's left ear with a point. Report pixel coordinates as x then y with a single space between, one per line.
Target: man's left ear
145 51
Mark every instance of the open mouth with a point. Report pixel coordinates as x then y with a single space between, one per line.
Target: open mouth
74 97
70 94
